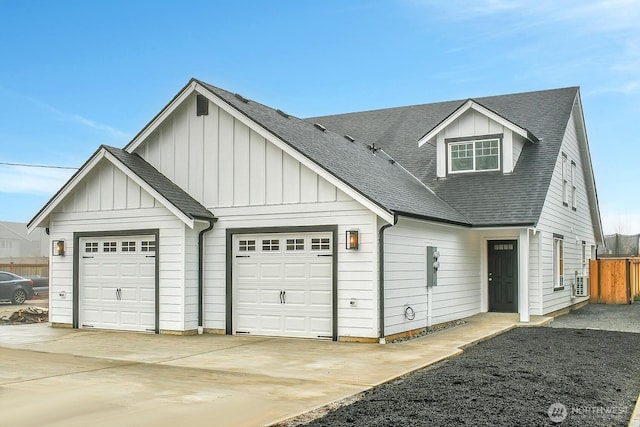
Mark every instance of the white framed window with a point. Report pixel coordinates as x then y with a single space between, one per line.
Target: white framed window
91 247
320 244
148 246
558 262
565 180
573 186
295 244
474 155
246 246
270 245
109 247
128 246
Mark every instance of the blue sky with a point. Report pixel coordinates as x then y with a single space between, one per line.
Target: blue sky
77 74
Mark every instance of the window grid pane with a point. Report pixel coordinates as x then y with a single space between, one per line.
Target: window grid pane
109 247
128 246
270 245
295 244
148 246
247 245
320 244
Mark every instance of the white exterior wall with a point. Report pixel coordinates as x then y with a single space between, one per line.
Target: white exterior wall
356 269
575 226
107 200
458 292
248 182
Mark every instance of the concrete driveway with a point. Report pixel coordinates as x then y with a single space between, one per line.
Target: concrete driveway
56 377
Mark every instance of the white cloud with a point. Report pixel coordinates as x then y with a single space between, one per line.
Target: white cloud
30 180
70 117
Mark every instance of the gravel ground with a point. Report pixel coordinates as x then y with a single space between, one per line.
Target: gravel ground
622 318
527 377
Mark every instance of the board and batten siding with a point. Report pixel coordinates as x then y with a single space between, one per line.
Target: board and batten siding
458 292
575 225
221 162
107 200
249 182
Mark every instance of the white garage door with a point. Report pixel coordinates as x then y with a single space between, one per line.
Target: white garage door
117 283
283 285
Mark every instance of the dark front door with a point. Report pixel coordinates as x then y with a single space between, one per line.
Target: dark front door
503 276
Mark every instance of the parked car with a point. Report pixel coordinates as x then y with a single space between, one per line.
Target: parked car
15 288
40 284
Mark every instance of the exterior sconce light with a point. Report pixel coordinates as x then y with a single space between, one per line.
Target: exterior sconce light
58 248
353 240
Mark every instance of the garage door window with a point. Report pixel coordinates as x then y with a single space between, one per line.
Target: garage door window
147 246
247 246
295 244
270 245
320 244
91 247
109 247
128 246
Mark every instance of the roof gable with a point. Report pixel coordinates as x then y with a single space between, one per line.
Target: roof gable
474 105
148 178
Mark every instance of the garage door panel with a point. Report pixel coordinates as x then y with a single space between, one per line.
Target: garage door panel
129 271
247 321
117 285
247 270
147 295
283 291
296 297
319 325
270 271
271 323
296 323
320 298
295 271
320 271
247 296
109 270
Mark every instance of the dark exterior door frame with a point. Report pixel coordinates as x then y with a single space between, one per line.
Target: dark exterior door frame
118 233
502 280
230 232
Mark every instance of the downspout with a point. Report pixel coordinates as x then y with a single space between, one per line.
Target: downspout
211 221
381 278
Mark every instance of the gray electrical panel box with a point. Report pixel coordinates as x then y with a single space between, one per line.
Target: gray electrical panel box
433 264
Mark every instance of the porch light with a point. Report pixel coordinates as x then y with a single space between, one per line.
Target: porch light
352 239
58 247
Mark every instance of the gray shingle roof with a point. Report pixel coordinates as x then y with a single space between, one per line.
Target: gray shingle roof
163 185
485 199
373 176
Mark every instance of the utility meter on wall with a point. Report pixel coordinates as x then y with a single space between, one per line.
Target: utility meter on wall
433 264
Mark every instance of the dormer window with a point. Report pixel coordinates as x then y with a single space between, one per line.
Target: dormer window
471 155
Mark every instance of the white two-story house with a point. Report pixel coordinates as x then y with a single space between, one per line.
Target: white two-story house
227 216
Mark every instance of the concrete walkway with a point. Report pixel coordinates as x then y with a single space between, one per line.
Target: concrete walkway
55 377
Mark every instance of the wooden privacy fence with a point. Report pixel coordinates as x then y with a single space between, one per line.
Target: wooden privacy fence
614 280
26 268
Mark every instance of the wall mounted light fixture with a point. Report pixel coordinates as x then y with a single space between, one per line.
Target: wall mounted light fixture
58 248
353 240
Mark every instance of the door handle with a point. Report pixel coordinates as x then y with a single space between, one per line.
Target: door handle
284 297
281 297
